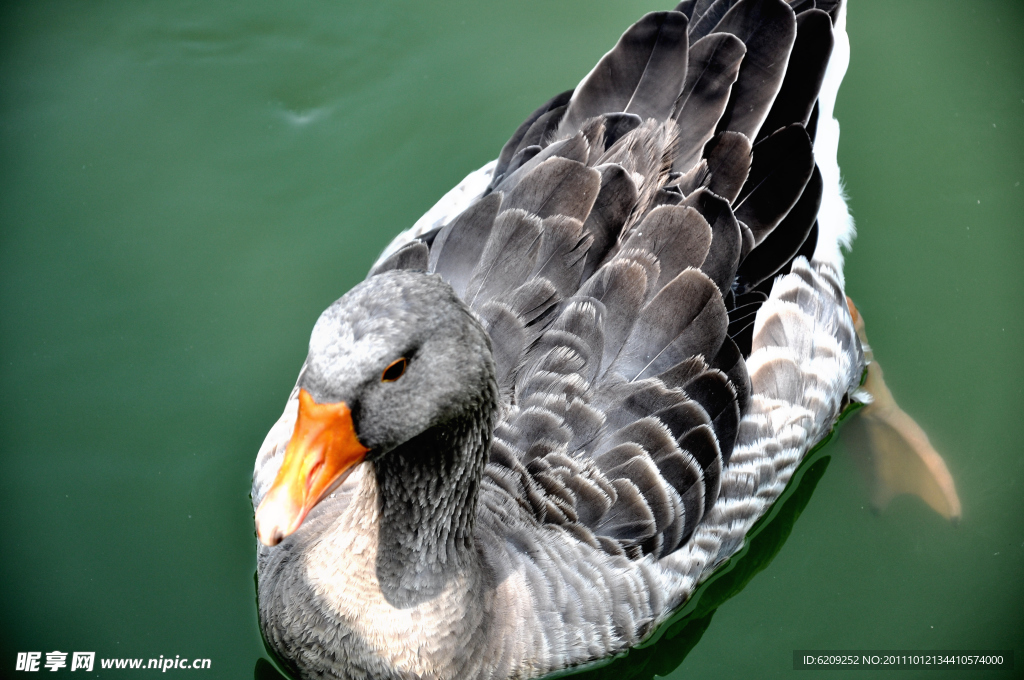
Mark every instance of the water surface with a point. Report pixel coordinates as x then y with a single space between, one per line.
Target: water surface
185 186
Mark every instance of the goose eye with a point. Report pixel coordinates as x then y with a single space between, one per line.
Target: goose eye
394 370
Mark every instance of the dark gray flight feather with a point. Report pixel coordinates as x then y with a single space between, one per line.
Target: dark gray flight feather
768 29
713 390
618 125
458 246
702 444
515 141
707 15
741 319
542 131
522 157
830 7
713 68
686 7
781 167
642 74
812 123
729 156
783 243
615 201
806 250
726 241
805 73
730 361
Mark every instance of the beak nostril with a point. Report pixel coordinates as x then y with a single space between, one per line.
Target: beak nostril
269 538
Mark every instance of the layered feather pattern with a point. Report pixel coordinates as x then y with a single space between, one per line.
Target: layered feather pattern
611 254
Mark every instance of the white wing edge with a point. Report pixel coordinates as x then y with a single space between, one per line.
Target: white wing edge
835 225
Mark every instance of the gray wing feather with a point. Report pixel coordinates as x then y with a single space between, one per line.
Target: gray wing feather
678 236
575 148
507 257
806 71
781 167
562 254
412 255
615 201
768 29
723 255
708 13
531 132
714 66
686 318
603 262
459 244
729 156
558 186
642 74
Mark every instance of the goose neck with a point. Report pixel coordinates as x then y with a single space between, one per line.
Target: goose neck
427 493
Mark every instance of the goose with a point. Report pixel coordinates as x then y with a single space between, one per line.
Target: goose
561 399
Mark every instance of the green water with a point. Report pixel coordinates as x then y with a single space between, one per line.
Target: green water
184 187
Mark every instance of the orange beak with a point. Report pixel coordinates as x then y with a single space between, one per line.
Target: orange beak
322 451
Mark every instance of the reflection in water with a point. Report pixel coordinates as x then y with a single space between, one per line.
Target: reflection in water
265 671
892 450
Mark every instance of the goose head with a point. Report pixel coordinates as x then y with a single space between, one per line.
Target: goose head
397 356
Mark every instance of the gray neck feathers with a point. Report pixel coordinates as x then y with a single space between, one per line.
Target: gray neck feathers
428 490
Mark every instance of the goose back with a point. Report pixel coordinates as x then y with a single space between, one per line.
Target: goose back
629 233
